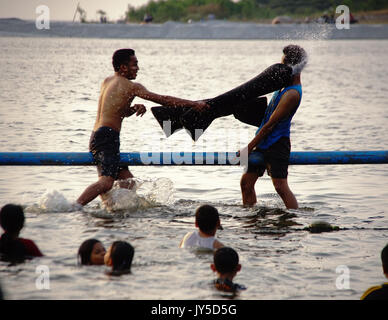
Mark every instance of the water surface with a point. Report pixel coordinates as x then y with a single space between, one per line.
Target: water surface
48 100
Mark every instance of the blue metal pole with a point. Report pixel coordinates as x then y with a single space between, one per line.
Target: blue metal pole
189 158
339 157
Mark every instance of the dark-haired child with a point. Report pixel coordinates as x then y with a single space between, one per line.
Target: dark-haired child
119 256
91 252
207 221
226 265
11 246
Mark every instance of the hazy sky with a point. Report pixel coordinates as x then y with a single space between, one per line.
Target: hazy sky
64 9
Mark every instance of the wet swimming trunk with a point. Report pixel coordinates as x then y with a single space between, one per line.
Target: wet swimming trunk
104 144
276 159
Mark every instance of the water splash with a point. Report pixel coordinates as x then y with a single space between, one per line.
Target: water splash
158 191
313 38
52 201
145 194
296 69
310 32
120 199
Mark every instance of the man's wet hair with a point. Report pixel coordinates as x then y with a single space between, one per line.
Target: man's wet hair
121 56
121 254
384 259
207 217
12 218
294 55
225 260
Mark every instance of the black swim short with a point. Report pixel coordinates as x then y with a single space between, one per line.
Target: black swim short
276 159
104 144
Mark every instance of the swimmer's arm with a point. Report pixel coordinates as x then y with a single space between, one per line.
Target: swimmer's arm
287 104
142 92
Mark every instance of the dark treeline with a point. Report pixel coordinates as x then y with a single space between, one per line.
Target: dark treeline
242 10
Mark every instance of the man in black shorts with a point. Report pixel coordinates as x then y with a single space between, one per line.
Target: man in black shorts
104 144
117 94
276 159
273 136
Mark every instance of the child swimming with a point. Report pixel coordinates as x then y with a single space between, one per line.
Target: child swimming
207 221
119 256
12 247
91 252
226 265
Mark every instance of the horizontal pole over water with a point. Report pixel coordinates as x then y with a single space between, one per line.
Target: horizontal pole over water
189 158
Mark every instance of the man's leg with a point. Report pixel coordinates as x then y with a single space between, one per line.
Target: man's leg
104 184
284 191
123 176
247 184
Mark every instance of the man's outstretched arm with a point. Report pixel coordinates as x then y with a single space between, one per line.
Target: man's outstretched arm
141 92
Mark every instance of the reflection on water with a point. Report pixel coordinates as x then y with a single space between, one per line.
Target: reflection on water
269 221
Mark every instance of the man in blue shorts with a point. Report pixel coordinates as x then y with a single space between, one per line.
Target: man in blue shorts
273 136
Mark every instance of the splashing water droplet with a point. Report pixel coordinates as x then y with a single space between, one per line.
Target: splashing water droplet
146 193
54 201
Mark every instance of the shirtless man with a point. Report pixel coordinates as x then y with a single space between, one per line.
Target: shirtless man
117 94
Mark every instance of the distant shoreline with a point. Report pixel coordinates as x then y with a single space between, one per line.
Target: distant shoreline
362 17
215 29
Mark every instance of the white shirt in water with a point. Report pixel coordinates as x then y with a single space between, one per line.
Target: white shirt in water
193 239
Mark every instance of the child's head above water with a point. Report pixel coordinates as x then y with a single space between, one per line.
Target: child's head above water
119 256
226 264
12 221
12 218
207 219
91 252
226 261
